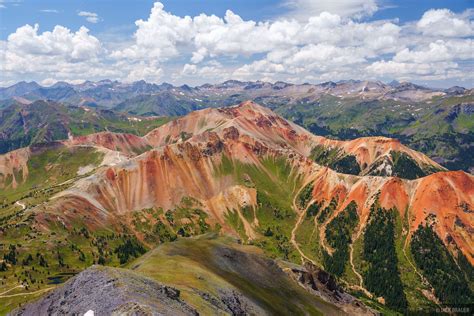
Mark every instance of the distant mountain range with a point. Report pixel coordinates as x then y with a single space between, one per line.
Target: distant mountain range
437 122
145 98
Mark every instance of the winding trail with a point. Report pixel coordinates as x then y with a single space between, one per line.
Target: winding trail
15 287
351 261
431 297
301 214
361 279
409 261
21 204
322 235
293 236
28 293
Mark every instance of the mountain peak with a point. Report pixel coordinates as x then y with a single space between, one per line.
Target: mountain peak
249 104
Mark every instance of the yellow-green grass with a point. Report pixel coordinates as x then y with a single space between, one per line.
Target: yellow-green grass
48 169
213 265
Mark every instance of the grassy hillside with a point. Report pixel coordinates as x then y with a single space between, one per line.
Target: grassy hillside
22 125
221 268
47 169
276 184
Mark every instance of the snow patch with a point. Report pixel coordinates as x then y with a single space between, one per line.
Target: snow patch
135 119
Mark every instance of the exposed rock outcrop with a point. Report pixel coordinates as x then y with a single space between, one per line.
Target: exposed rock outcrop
324 285
109 291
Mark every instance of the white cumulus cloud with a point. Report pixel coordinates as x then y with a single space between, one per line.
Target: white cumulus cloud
443 22
60 53
438 51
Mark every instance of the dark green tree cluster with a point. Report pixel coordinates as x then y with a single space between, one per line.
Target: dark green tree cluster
60 259
405 167
382 276
27 260
466 267
203 225
268 232
335 159
277 215
169 217
347 164
41 260
102 244
283 244
313 210
163 233
439 267
82 256
338 236
305 195
84 232
131 248
266 205
185 136
185 230
10 256
101 260
324 214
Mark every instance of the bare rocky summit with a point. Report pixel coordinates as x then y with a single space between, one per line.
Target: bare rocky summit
109 291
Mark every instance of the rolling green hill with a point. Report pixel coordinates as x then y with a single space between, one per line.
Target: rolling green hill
44 121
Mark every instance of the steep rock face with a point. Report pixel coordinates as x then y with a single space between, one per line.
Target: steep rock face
377 155
158 178
13 164
393 192
319 281
450 197
256 125
125 143
229 269
115 146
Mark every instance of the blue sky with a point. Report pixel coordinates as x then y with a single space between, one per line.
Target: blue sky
429 42
122 14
